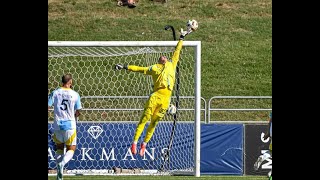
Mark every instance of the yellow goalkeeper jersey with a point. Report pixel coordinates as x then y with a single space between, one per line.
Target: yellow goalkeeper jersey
163 75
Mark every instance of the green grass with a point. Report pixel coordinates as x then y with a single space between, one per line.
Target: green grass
236 37
163 177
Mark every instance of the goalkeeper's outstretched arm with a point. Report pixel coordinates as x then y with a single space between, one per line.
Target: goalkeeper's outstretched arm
176 54
183 34
133 68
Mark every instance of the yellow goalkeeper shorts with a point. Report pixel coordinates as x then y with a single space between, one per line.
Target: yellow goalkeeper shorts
157 103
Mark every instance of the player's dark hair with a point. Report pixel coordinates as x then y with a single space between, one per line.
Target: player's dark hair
66 78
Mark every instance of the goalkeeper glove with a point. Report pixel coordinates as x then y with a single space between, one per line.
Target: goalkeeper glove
120 66
188 31
184 33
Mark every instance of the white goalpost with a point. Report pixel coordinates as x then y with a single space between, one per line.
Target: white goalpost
113 102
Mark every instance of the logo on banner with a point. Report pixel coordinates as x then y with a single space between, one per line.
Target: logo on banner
95 131
268 164
261 137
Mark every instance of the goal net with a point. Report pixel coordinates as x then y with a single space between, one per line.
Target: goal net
113 103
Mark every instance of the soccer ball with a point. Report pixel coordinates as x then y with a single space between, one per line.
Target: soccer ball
193 24
172 109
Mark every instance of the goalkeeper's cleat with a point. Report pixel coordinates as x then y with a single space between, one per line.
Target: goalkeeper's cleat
258 163
134 148
143 149
59 171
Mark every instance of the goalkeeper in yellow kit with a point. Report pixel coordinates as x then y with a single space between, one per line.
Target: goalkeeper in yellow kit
163 76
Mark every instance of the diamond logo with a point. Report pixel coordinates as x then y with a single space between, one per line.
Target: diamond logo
95 131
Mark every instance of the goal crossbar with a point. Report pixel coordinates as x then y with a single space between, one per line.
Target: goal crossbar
120 43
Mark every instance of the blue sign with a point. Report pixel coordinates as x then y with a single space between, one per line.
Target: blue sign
107 145
221 149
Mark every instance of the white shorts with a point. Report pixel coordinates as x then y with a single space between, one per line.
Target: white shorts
68 137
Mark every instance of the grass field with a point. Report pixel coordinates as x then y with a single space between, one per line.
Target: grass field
236 38
162 177
236 35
